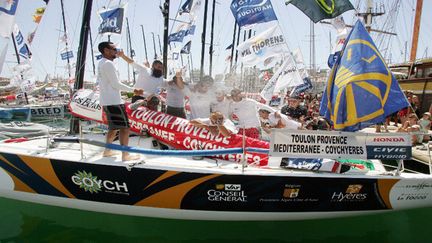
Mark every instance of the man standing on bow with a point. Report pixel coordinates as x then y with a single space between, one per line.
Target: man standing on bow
111 101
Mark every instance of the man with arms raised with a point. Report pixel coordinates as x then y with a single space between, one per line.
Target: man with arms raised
111 101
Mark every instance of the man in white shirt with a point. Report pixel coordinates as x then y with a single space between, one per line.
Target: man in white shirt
111 101
149 79
200 97
245 112
277 120
222 103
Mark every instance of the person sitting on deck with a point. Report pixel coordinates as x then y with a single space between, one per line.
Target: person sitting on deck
216 124
425 125
411 126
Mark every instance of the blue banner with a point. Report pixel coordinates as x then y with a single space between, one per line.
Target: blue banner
247 12
66 55
112 21
361 90
179 36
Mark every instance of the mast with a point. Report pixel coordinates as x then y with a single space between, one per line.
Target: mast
131 51
82 51
154 46
203 36
233 45
144 39
416 30
92 48
211 37
65 36
312 49
165 14
369 15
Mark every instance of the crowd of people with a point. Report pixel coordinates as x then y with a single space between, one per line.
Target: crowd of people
219 109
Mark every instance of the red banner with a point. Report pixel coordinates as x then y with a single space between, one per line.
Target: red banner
178 133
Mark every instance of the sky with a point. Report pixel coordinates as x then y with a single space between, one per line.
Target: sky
46 46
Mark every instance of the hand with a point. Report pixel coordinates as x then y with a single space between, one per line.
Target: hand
178 73
120 53
147 64
138 92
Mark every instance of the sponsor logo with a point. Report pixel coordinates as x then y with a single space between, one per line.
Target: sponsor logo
418 187
227 193
389 139
86 102
412 196
91 183
352 194
291 191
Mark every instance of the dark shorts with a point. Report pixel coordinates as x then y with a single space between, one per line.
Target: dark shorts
178 112
116 116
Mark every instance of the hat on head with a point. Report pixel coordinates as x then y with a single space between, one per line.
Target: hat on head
427 113
235 92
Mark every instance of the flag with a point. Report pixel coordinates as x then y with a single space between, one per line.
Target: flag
21 45
7 16
318 10
258 48
229 47
305 86
112 20
182 33
286 75
3 56
361 90
186 7
342 33
186 48
252 11
66 55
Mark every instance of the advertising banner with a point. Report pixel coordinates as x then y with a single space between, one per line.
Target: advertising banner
339 145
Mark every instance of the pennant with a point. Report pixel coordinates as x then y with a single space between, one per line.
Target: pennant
7 16
22 47
318 10
186 7
229 47
260 47
186 48
190 7
252 11
361 90
112 20
305 86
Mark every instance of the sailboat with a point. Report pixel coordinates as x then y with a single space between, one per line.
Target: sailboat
70 172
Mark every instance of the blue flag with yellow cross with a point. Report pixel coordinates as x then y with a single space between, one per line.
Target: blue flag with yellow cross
361 90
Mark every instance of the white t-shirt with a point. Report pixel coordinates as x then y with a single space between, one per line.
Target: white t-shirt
147 82
289 124
199 103
222 106
246 111
175 96
109 84
229 125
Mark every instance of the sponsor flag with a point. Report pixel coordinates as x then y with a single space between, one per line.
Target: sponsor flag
305 86
360 75
318 10
7 16
186 7
260 47
182 33
190 8
252 11
66 55
112 20
342 33
22 47
186 48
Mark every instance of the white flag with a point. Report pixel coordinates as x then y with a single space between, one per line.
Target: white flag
7 16
258 48
3 56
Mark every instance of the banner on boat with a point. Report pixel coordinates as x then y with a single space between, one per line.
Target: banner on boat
85 104
339 145
50 111
173 131
248 12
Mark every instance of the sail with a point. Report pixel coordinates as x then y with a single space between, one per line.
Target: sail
7 16
361 90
